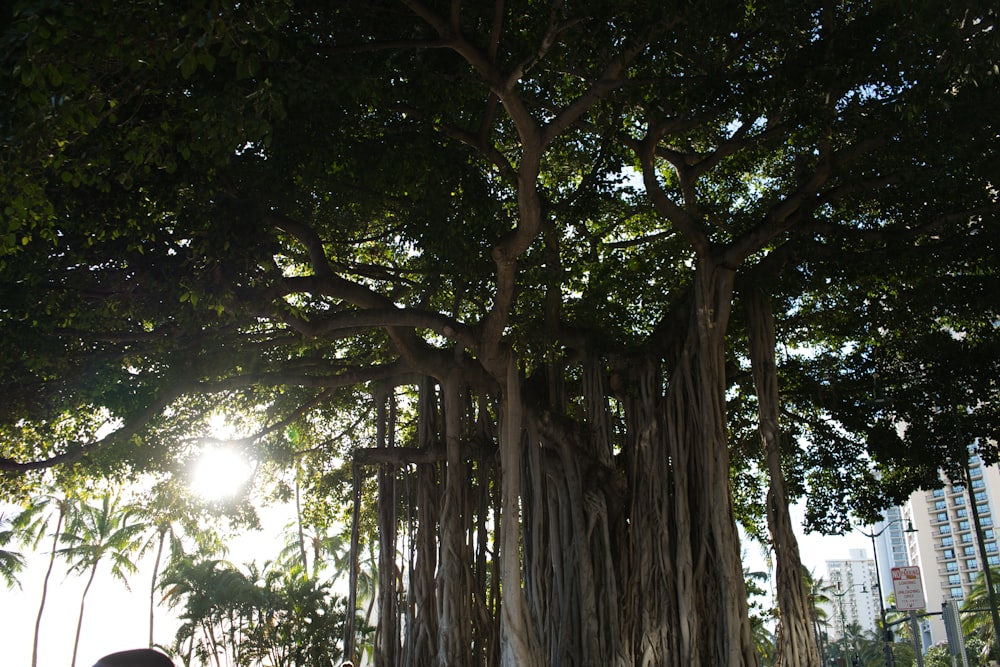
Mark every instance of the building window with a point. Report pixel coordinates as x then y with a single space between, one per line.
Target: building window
948 542
951 567
962 513
942 516
964 525
988 533
984 520
945 529
949 553
940 505
938 493
954 579
969 551
993 560
971 564
991 547
959 500
980 496
956 593
978 483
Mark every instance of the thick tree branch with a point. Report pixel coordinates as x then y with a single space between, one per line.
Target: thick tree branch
348 322
400 457
664 205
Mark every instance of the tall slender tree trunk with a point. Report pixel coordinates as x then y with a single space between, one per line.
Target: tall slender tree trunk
299 527
350 630
453 584
212 642
45 582
388 631
518 645
421 638
152 581
79 620
796 645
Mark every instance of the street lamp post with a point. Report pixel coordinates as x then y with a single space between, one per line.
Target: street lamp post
843 619
890 660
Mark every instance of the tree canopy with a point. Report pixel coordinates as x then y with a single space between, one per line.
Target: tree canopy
496 251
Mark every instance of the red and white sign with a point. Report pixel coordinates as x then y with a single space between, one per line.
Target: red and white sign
908 587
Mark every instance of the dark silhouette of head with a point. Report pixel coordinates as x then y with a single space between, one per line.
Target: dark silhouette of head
140 657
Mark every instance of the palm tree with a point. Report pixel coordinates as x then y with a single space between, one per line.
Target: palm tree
11 562
311 549
763 637
93 533
818 602
166 521
33 525
976 619
164 533
204 589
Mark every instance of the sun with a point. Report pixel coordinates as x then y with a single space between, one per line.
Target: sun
220 473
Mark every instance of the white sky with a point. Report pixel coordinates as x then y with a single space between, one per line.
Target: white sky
115 619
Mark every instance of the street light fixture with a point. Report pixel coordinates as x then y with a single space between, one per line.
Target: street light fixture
887 644
843 619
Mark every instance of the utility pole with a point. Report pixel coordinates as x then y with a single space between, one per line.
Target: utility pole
843 619
890 660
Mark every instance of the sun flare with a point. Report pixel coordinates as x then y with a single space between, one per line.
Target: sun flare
220 473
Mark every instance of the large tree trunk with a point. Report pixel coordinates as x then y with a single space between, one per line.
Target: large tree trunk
683 532
617 546
796 643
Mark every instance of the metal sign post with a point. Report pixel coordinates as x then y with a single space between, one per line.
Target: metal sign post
956 638
909 590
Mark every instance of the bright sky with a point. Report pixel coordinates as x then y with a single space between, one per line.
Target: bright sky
115 619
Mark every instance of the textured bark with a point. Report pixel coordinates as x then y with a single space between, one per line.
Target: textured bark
350 629
796 645
517 637
388 632
616 538
683 539
453 586
421 638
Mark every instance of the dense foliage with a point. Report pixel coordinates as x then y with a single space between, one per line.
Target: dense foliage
495 253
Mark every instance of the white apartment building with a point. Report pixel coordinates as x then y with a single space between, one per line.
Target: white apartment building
945 544
852 593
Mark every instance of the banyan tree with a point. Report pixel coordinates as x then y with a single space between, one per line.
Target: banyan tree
517 231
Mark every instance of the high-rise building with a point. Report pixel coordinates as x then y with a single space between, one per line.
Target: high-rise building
890 546
853 599
945 544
